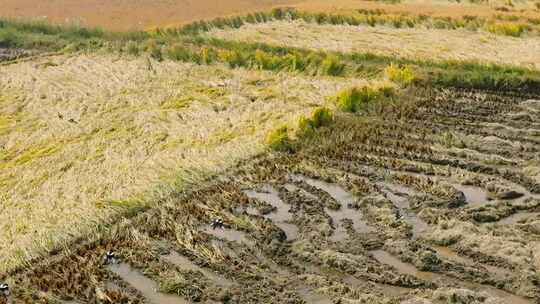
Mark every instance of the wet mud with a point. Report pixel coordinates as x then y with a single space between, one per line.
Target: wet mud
385 212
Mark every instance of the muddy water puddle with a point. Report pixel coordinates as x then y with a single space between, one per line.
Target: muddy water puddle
350 280
294 188
399 196
392 291
526 194
344 198
399 200
144 285
281 216
227 234
385 258
418 225
453 256
387 290
399 189
187 264
474 196
273 266
312 297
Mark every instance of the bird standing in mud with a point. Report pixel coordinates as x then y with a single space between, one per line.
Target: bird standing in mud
4 290
110 257
398 215
217 223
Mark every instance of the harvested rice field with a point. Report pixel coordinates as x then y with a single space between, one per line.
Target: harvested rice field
313 155
82 135
429 206
409 43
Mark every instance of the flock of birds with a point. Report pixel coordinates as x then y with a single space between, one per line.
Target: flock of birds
111 257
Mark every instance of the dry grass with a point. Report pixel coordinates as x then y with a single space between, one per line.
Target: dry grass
85 136
485 8
413 43
476 238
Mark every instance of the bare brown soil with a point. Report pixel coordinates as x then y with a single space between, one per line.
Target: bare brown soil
128 15
144 14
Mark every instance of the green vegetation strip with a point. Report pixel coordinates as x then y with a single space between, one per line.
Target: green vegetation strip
184 45
47 37
499 24
459 74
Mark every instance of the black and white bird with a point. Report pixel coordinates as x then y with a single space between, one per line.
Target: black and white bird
110 257
4 290
398 215
217 223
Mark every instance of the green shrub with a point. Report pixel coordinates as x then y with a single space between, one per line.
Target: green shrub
508 29
294 62
321 117
357 99
233 58
154 49
279 140
278 13
9 38
266 61
376 11
332 66
180 53
403 75
207 55
132 48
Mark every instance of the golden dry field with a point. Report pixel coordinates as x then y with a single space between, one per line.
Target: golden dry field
83 135
270 152
409 43
148 14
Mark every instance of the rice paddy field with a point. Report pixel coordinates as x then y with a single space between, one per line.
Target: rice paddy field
352 152
410 43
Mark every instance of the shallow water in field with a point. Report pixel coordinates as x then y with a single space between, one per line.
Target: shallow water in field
281 215
399 200
393 291
399 189
418 225
474 196
399 196
387 290
312 297
451 255
294 188
344 198
227 234
388 259
144 285
405 268
187 264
